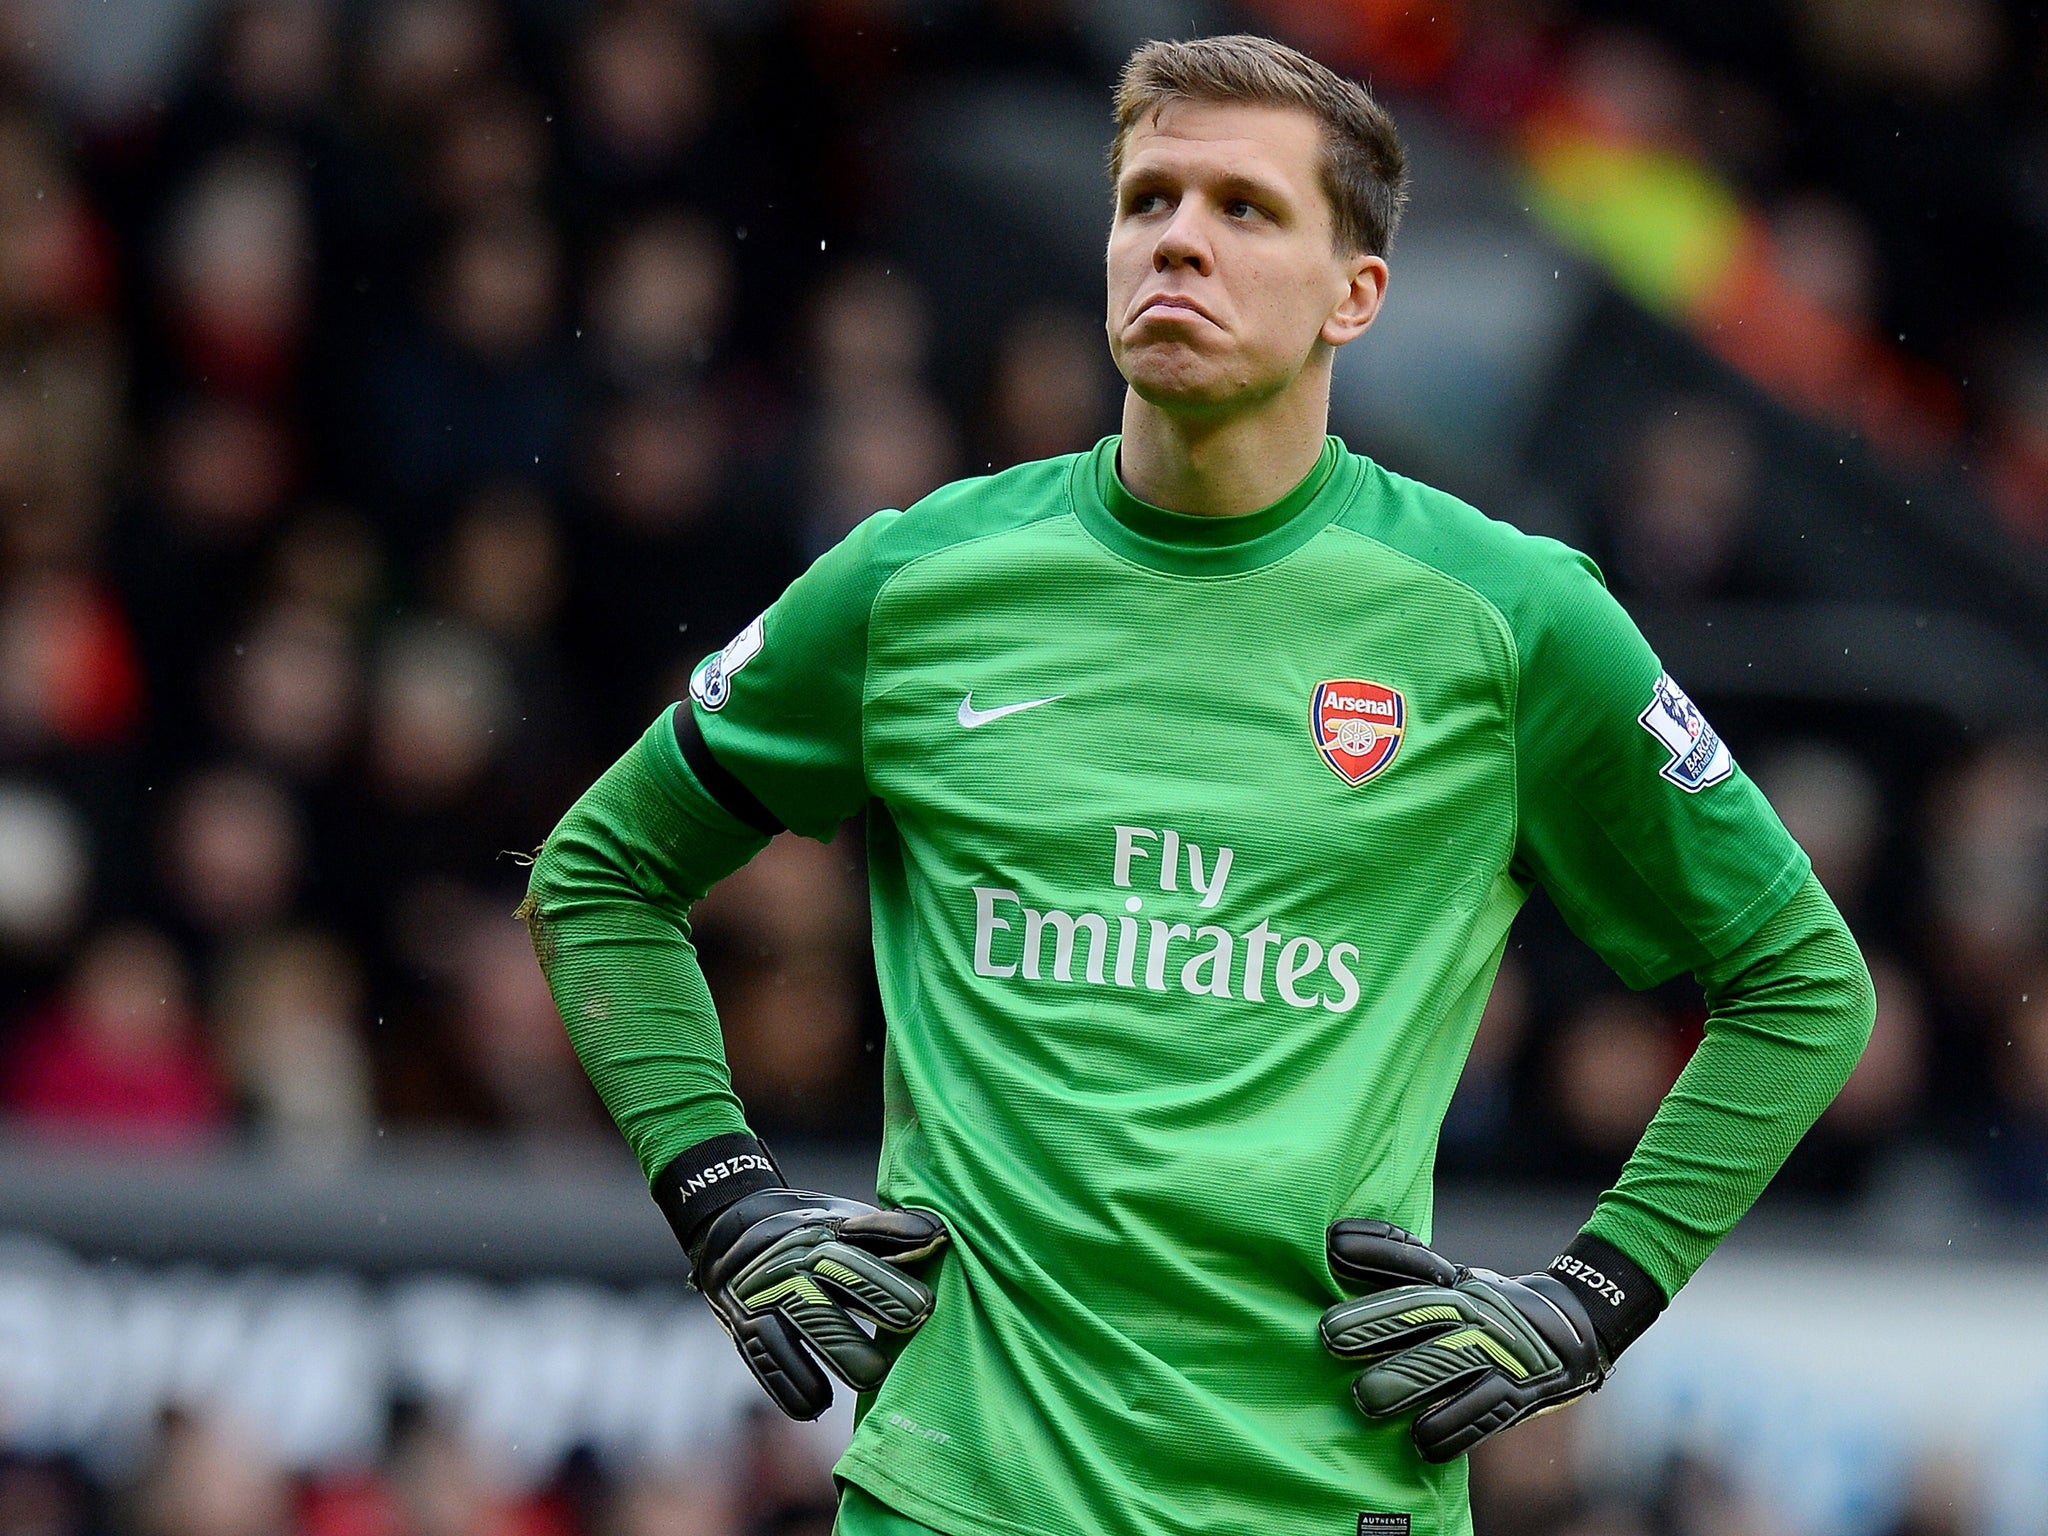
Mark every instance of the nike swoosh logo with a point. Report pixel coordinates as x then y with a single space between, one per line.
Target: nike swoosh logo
972 719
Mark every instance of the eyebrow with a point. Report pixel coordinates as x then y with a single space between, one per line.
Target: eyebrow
1226 187
1236 184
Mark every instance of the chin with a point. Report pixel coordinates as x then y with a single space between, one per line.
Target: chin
1206 388
1180 396
1173 375
1176 376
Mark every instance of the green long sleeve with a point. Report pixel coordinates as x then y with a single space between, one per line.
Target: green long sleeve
1788 1014
607 904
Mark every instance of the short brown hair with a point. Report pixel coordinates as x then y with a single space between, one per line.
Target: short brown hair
1365 169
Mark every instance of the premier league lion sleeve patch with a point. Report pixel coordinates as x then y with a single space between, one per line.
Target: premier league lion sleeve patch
712 685
1698 755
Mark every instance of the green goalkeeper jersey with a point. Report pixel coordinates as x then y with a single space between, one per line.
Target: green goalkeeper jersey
1193 846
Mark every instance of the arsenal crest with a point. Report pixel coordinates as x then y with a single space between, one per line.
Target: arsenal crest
1357 726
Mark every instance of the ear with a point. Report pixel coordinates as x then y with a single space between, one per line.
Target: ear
1366 289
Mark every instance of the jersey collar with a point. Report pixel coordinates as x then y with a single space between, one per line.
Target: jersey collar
1180 543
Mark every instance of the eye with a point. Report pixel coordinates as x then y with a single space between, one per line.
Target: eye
1141 203
1239 209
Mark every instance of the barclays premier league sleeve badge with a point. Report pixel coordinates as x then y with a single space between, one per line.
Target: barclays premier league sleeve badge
712 685
1698 755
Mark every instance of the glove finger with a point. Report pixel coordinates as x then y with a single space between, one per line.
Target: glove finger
1467 1351
901 1236
873 1287
1478 1345
830 1330
768 1343
1512 1321
1416 1379
1374 1327
1453 1428
1378 1254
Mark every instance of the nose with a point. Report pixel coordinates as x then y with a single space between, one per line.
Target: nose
1182 244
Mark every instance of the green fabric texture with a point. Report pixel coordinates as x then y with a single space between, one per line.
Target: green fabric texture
862 1514
607 905
806 758
1189 545
1659 881
1789 1012
1168 989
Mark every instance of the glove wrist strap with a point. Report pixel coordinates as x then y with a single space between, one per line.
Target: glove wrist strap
700 1183
1619 1297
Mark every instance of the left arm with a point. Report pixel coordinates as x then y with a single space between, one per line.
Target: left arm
1665 858
1789 1010
1788 1013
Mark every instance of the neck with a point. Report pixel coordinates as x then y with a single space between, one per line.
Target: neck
1224 464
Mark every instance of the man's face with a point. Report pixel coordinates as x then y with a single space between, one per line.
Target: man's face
1224 274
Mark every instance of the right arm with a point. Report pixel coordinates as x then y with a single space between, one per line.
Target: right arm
768 738
786 1271
608 908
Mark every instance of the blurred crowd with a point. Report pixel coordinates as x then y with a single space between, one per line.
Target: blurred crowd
394 413
1546 1477
397 408
1843 199
206 1475
1929 832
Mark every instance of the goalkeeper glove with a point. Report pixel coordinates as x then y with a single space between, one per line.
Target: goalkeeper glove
788 1271
1469 1352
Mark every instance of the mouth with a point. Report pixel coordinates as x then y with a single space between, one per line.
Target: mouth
1170 306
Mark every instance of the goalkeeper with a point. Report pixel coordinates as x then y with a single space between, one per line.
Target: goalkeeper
1203 774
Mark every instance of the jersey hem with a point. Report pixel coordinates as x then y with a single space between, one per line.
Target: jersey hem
1764 906
922 1507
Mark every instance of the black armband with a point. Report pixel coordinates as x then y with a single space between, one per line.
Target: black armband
1621 1300
698 1184
719 781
